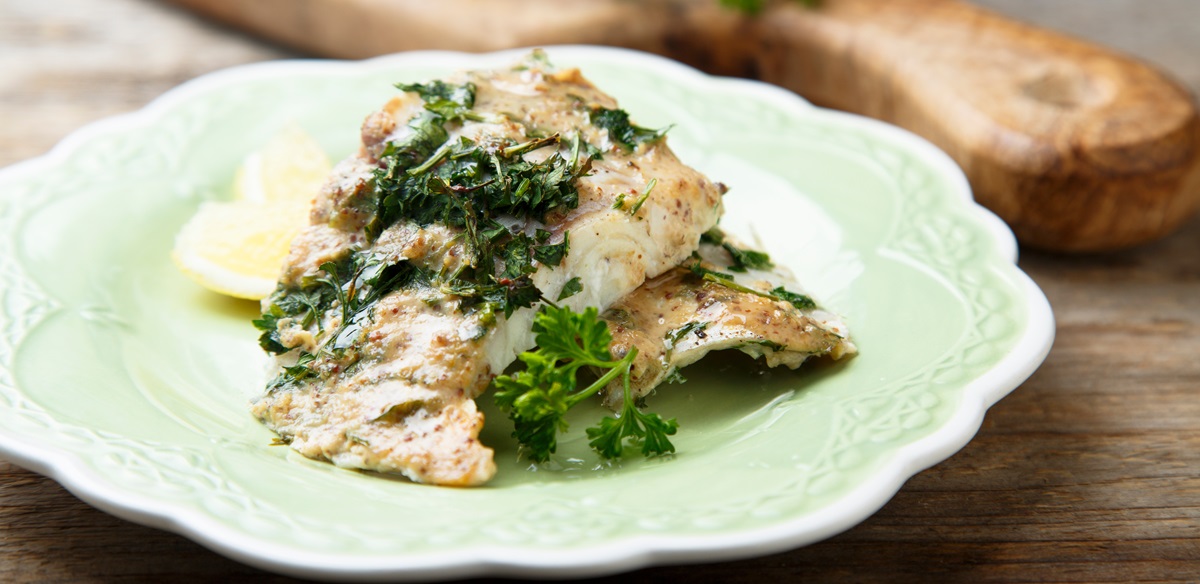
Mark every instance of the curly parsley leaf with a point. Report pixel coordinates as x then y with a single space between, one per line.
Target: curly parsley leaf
538 398
635 427
568 335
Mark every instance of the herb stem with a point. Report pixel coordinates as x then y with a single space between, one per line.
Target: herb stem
645 195
530 146
621 367
729 283
433 160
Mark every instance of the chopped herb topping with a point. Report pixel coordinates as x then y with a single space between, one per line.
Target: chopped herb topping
743 259
619 203
354 285
571 288
429 178
779 293
677 334
303 306
620 130
536 57
700 271
645 195
747 258
295 373
552 255
714 236
800 301
451 102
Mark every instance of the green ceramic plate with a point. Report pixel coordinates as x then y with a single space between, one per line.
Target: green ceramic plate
129 384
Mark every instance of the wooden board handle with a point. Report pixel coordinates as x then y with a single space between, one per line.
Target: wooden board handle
1077 147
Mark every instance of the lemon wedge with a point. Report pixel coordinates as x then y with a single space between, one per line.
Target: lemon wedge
238 248
290 166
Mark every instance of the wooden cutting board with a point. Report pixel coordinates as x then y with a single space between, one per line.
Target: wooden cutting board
1077 147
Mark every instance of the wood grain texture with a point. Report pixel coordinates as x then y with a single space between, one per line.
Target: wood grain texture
1077 147
1089 472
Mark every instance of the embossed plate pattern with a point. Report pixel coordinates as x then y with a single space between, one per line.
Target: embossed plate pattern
128 384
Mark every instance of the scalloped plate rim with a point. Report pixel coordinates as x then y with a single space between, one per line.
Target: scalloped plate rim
599 559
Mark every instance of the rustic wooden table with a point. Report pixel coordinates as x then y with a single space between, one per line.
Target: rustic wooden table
1089 472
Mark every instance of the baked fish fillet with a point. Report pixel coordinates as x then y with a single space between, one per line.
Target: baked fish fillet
712 303
379 376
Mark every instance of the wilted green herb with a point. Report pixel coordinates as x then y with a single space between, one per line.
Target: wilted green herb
747 258
571 288
780 293
675 335
645 195
428 178
620 130
553 254
304 305
451 102
742 258
700 271
798 300
714 236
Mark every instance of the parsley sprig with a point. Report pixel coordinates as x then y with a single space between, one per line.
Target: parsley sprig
538 397
634 426
429 177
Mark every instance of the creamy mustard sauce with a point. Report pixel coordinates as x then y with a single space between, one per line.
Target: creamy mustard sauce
677 318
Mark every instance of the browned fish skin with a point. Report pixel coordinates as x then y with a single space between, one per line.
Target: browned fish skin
677 318
401 400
